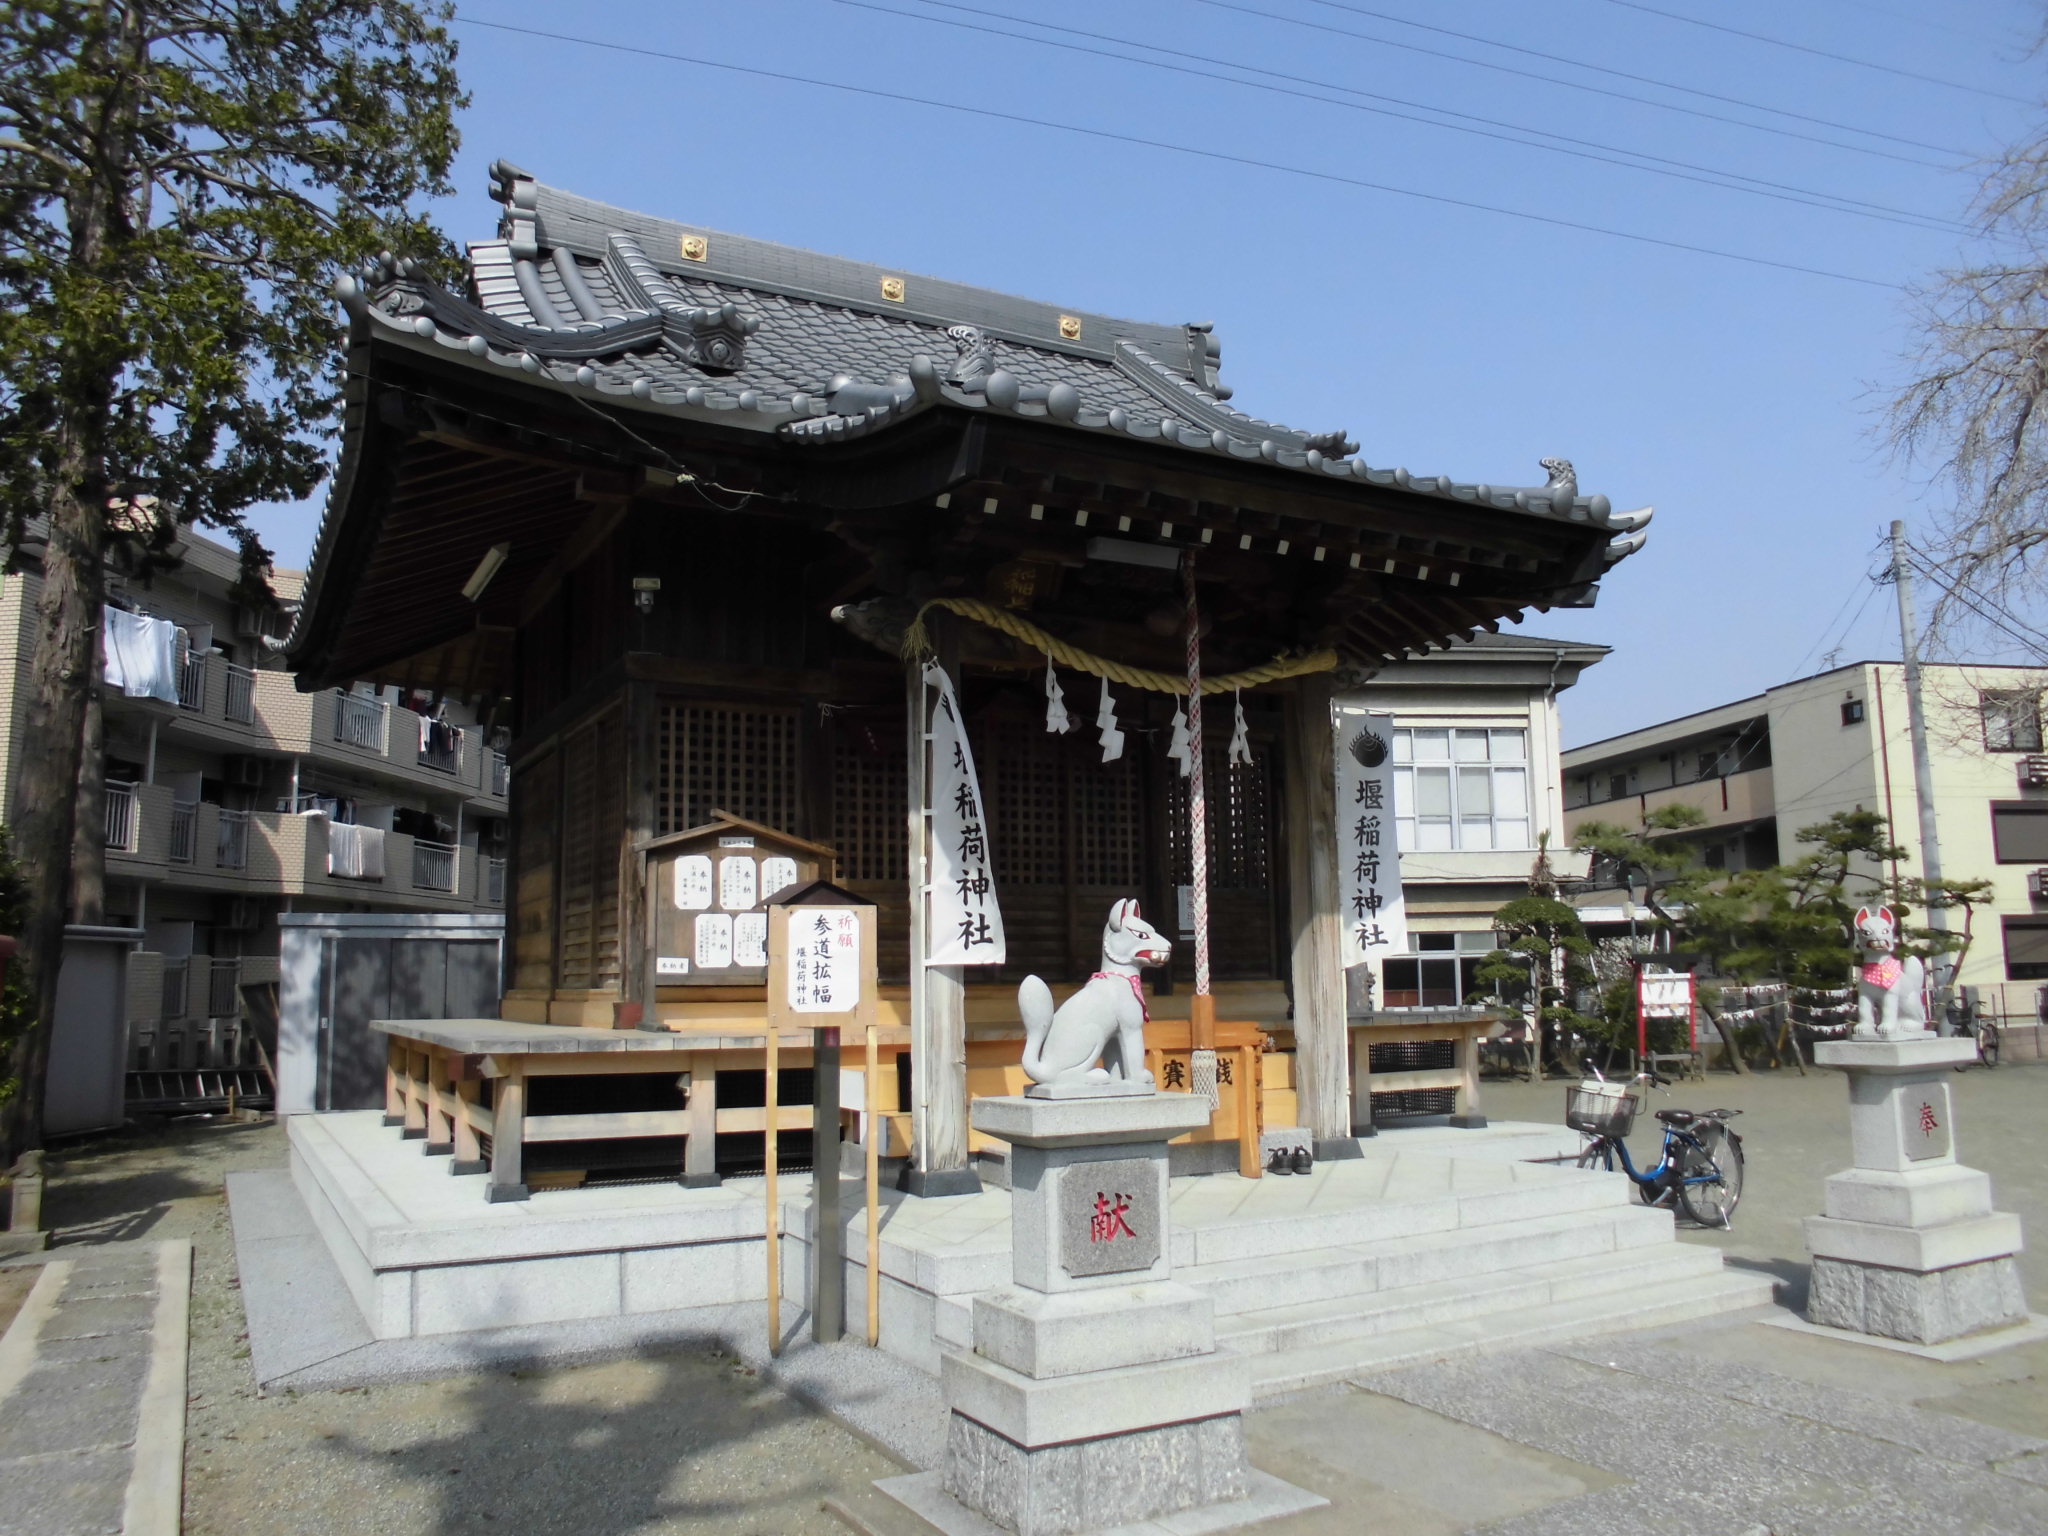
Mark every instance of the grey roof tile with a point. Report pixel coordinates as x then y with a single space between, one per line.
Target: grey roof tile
825 338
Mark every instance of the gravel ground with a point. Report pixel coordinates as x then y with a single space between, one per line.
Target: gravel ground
1795 1133
689 1442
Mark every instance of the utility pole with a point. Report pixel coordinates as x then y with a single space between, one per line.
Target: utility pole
1923 765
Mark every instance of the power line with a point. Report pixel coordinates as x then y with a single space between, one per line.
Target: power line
1219 156
1602 69
1587 149
1867 587
1819 53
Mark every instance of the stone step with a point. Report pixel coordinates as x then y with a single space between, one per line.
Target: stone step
1544 1192
1709 1295
1277 1330
1240 1285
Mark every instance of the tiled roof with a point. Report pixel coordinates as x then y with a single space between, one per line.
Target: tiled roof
817 350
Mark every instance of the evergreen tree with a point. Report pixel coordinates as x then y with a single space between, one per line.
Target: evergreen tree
180 181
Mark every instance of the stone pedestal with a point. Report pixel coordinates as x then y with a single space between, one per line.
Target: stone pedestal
1095 1395
1908 1246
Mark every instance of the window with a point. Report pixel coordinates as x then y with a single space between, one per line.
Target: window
1465 788
2019 831
1441 974
1852 712
2012 721
2026 949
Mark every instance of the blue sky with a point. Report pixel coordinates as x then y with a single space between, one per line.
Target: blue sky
1739 398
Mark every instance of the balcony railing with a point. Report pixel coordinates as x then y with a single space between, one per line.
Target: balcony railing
184 830
494 882
440 747
192 681
231 846
433 867
501 775
241 700
359 721
174 989
121 816
223 990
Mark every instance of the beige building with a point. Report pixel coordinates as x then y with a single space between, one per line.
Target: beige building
1476 783
245 798
1761 768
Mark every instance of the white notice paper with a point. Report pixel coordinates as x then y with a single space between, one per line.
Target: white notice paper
714 942
824 959
736 886
693 882
1375 918
966 924
750 940
775 875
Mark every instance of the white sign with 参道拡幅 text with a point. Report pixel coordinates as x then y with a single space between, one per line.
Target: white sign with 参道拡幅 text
965 925
1375 920
824 960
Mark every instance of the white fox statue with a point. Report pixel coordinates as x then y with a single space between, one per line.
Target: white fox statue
1103 1021
1889 1004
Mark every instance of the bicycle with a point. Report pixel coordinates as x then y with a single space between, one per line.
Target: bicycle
1699 1169
1966 1018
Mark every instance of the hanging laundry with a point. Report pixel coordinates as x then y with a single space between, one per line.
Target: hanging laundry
1057 718
1105 722
1240 740
355 853
1181 750
141 654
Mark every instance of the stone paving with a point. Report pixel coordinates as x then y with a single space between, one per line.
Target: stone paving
1711 1444
92 1395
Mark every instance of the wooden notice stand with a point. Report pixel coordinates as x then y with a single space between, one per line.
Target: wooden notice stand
821 977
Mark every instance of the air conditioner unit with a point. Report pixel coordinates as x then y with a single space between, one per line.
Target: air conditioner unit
243 914
248 622
2034 772
244 771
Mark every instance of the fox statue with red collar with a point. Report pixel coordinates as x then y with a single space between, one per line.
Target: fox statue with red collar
1103 1021
1889 1004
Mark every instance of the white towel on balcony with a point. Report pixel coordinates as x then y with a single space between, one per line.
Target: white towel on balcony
141 654
355 853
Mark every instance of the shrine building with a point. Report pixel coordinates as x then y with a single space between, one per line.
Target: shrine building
686 511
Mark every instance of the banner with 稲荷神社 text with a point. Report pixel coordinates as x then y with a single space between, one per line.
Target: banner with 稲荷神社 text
964 923
1375 922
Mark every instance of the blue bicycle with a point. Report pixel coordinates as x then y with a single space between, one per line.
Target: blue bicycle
1699 1169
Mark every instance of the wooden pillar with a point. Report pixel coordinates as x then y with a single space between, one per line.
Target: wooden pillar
1322 1076
469 1152
415 1099
508 1130
394 1068
440 1124
700 1146
636 894
1465 1112
828 1236
938 993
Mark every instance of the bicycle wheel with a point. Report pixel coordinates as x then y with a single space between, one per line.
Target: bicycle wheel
1597 1155
1987 1044
1717 1155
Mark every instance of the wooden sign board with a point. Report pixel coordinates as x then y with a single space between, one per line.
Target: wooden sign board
707 899
821 946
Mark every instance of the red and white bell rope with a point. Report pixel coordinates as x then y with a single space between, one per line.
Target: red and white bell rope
1202 1063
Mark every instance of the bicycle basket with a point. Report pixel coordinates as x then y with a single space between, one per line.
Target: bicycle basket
1601 1109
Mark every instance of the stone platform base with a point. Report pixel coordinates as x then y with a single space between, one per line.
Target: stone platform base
1096 1484
1265 1498
1929 1308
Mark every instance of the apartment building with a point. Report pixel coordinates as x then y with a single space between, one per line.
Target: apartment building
240 798
1476 785
1761 768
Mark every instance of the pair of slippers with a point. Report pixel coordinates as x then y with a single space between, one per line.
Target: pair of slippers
1291 1160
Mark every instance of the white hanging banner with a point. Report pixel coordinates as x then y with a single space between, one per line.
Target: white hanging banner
1375 919
965 925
